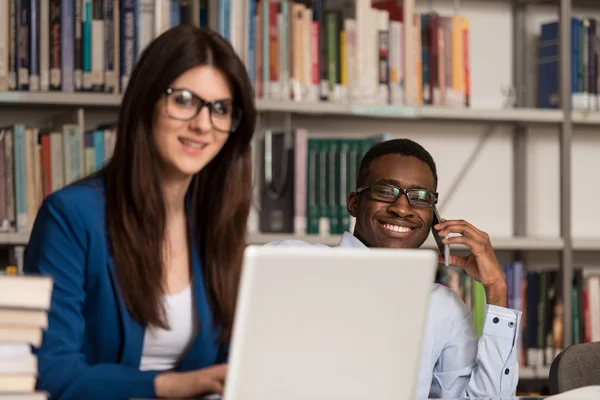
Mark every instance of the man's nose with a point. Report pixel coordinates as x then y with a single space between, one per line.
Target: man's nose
401 207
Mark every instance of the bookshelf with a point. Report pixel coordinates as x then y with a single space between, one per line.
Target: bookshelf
532 116
500 244
519 117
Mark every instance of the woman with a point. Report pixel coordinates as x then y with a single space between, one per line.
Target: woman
146 254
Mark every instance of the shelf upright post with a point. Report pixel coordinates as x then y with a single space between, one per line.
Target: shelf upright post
566 128
520 130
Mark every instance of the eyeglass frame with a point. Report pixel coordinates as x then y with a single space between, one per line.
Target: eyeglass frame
401 192
203 103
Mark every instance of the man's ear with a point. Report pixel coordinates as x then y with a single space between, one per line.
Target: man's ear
352 203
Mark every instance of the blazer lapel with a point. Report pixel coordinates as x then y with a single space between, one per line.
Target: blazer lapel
133 332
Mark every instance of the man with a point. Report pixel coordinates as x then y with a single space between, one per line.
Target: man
396 190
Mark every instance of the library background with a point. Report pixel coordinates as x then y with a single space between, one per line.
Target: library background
475 82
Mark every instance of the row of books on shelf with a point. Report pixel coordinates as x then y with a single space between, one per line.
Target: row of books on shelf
536 293
334 50
304 181
24 306
344 50
35 162
585 57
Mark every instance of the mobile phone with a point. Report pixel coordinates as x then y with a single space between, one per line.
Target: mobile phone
444 248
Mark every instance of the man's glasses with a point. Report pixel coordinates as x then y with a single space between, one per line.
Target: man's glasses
390 194
184 105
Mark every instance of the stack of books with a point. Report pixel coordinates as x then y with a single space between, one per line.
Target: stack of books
24 305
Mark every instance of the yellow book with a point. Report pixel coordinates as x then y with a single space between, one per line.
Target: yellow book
457 61
343 60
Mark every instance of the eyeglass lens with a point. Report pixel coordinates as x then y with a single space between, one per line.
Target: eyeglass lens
416 197
184 105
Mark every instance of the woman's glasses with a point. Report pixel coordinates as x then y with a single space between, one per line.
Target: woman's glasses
184 105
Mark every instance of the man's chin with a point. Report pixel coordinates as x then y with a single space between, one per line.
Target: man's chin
413 241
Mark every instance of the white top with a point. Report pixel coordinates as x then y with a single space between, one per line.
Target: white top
164 349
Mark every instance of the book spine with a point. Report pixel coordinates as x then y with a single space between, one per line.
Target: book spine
426 58
57 157
383 56
44 45
434 85
2 181
312 211
55 46
13 76
251 41
9 177
79 45
46 167
274 55
111 81
68 45
86 44
466 63
258 44
319 17
20 176
98 48
99 149
34 48
23 43
4 44
128 41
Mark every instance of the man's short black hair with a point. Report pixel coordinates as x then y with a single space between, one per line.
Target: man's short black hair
401 147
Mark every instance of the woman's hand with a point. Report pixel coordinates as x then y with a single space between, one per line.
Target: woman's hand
209 380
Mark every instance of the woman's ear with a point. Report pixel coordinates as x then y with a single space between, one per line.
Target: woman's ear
352 203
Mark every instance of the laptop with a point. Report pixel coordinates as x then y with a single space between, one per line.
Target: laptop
329 323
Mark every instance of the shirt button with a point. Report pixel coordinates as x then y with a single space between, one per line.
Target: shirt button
506 371
496 320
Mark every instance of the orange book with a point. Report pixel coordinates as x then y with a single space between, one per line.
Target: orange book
457 61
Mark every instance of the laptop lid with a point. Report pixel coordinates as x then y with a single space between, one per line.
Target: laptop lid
329 323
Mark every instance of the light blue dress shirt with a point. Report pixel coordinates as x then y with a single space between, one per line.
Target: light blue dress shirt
455 362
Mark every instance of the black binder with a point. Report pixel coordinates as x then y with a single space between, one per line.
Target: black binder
277 183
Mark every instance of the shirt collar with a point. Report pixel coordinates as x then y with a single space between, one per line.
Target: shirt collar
349 240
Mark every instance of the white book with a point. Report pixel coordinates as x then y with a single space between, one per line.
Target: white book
383 34
350 29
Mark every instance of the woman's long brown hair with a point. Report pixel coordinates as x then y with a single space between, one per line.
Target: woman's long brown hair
220 195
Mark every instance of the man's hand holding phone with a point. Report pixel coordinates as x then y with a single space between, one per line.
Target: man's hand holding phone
482 264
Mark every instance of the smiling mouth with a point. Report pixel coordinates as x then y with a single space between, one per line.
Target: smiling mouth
192 144
397 230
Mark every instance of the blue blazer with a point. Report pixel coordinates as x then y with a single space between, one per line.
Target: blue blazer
92 347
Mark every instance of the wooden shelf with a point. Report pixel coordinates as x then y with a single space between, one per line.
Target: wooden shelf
525 115
14 238
499 243
61 99
587 244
